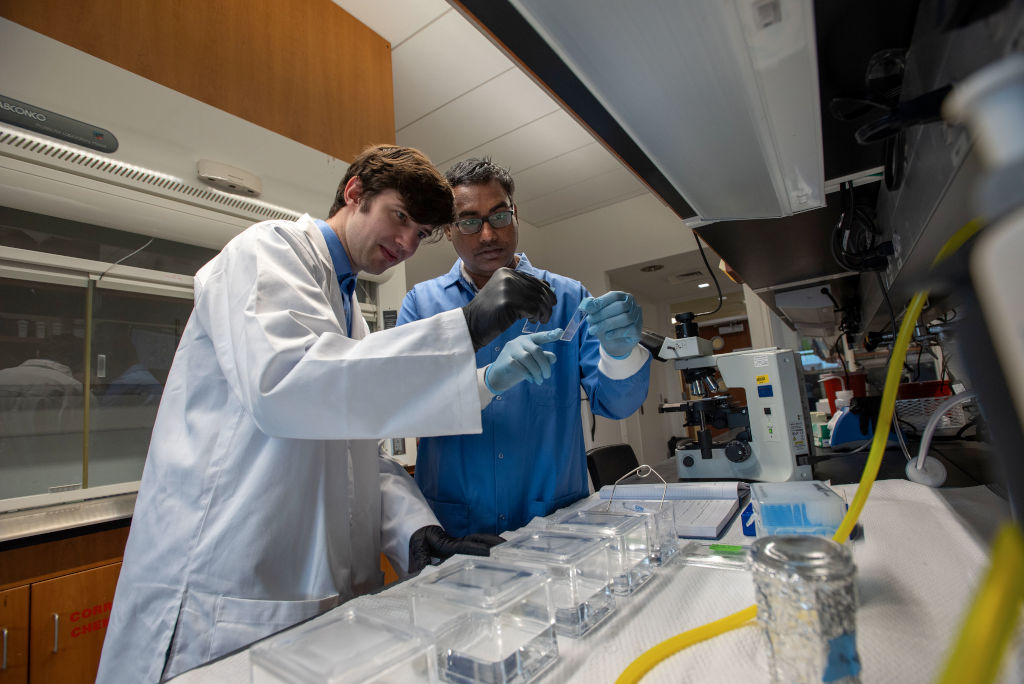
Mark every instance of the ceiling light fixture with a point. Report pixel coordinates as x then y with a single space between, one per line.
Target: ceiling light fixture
652 268
703 285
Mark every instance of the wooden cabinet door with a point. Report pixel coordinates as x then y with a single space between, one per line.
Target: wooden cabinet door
69 621
14 632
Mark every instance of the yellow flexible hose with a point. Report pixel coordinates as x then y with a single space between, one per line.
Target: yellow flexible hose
651 657
892 381
993 615
647 660
986 631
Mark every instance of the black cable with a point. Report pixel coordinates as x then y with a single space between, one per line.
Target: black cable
842 358
971 423
700 247
125 258
835 305
892 311
913 428
855 235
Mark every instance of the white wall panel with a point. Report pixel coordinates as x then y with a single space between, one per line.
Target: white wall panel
440 63
524 147
502 104
612 186
564 171
394 20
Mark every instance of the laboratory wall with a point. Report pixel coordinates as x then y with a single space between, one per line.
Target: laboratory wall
249 76
303 68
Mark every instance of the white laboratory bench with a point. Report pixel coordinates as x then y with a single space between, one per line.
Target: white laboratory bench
917 567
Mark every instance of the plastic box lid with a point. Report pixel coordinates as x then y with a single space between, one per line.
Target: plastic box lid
343 646
483 584
550 546
606 523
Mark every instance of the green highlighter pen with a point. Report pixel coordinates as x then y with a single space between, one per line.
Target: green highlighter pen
728 549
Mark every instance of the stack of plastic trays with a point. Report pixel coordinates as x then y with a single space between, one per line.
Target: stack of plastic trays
580 570
490 622
629 534
346 646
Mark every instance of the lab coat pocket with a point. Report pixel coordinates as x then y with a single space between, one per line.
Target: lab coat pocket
239 621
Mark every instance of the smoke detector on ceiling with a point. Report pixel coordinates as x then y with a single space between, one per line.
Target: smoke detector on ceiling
229 178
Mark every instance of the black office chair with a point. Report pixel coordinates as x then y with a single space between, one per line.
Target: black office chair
607 464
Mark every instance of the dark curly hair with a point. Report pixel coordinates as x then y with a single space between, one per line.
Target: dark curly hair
424 191
475 171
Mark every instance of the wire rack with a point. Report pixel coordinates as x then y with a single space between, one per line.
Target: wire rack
917 412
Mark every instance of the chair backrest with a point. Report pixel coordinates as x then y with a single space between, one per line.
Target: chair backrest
607 464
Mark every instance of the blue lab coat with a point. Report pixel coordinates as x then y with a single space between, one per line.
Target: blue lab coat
530 458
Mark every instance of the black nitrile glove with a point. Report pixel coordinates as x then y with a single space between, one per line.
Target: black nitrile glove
433 542
508 296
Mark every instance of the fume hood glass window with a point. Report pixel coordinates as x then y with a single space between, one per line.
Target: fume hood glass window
134 338
42 353
366 295
26 230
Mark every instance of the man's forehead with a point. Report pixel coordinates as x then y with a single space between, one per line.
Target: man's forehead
481 198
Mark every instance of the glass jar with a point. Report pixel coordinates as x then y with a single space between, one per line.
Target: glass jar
807 602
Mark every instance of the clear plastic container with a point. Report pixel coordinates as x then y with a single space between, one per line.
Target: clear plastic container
661 524
491 622
629 534
807 604
342 647
580 570
796 508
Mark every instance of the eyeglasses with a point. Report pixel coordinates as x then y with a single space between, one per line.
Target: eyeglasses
471 226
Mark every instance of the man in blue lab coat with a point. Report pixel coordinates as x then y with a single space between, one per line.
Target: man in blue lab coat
530 458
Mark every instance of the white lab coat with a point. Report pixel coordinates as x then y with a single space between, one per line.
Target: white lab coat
263 500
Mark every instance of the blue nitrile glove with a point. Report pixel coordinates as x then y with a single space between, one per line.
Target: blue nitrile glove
615 319
522 359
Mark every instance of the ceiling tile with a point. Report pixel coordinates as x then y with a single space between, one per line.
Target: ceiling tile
523 148
500 105
446 59
394 20
613 186
564 170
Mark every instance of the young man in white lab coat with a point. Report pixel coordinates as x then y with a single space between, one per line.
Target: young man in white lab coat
263 500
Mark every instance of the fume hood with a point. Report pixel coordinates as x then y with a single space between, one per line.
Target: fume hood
723 109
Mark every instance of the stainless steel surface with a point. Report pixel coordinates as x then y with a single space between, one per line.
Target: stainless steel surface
942 171
56 632
35 521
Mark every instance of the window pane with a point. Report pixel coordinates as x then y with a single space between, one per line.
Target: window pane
42 353
366 291
39 233
134 339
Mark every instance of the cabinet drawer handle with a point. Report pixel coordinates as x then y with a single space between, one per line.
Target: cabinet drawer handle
56 630
3 666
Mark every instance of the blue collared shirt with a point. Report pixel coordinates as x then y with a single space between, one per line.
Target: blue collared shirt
530 458
343 267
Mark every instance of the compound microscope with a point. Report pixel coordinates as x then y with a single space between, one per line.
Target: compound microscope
767 439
